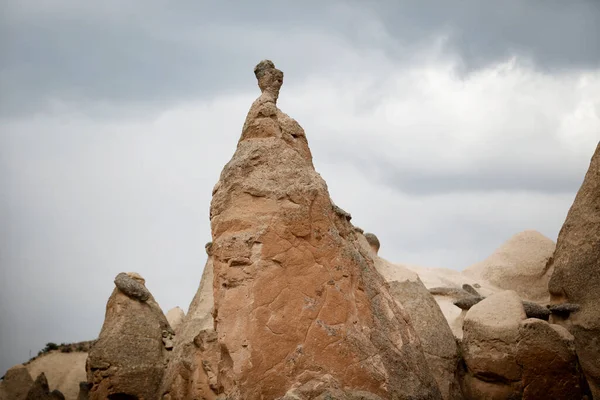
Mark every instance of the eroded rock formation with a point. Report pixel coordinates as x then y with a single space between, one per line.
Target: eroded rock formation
520 264
575 283
193 367
509 356
175 316
298 302
429 322
41 391
16 383
129 356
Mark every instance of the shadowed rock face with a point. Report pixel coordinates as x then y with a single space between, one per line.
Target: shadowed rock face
129 356
16 383
296 297
576 277
41 391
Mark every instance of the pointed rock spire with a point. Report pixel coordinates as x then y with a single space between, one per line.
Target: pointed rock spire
299 306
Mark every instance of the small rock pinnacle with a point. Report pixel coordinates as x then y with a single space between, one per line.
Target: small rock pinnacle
269 78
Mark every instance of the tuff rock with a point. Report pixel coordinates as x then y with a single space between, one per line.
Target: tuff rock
509 356
520 264
576 277
41 391
194 364
129 356
439 345
296 297
16 383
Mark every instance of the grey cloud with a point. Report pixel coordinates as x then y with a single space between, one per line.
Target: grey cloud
151 54
555 34
481 178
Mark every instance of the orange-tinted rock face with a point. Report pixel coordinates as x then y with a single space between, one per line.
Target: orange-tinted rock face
296 297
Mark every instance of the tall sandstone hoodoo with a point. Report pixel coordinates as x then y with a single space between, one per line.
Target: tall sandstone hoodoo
575 283
300 311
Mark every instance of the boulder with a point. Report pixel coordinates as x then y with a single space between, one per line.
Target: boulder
509 356
129 356
491 329
175 317
451 286
547 355
576 277
429 322
520 264
16 383
296 295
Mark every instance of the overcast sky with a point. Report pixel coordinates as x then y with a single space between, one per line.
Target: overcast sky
443 127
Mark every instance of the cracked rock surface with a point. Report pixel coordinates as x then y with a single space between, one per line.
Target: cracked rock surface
296 295
129 356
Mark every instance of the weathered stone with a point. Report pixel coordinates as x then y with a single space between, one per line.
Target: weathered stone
449 291
192 372
131 287
373 241
309 293
576 277
534 310
129 356
563 310
470 289
547 355
509 356
428 320
491 330
520 264
175 317
16 383
41 391
84 391
63 371
467 302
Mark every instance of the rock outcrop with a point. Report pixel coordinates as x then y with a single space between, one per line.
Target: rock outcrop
41 391
193 367
299 306
509 356
175 317
520 264
429 322
576 277
129 356
84 391
16 383
63 371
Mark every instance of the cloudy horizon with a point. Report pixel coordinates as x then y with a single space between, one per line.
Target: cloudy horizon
444 130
